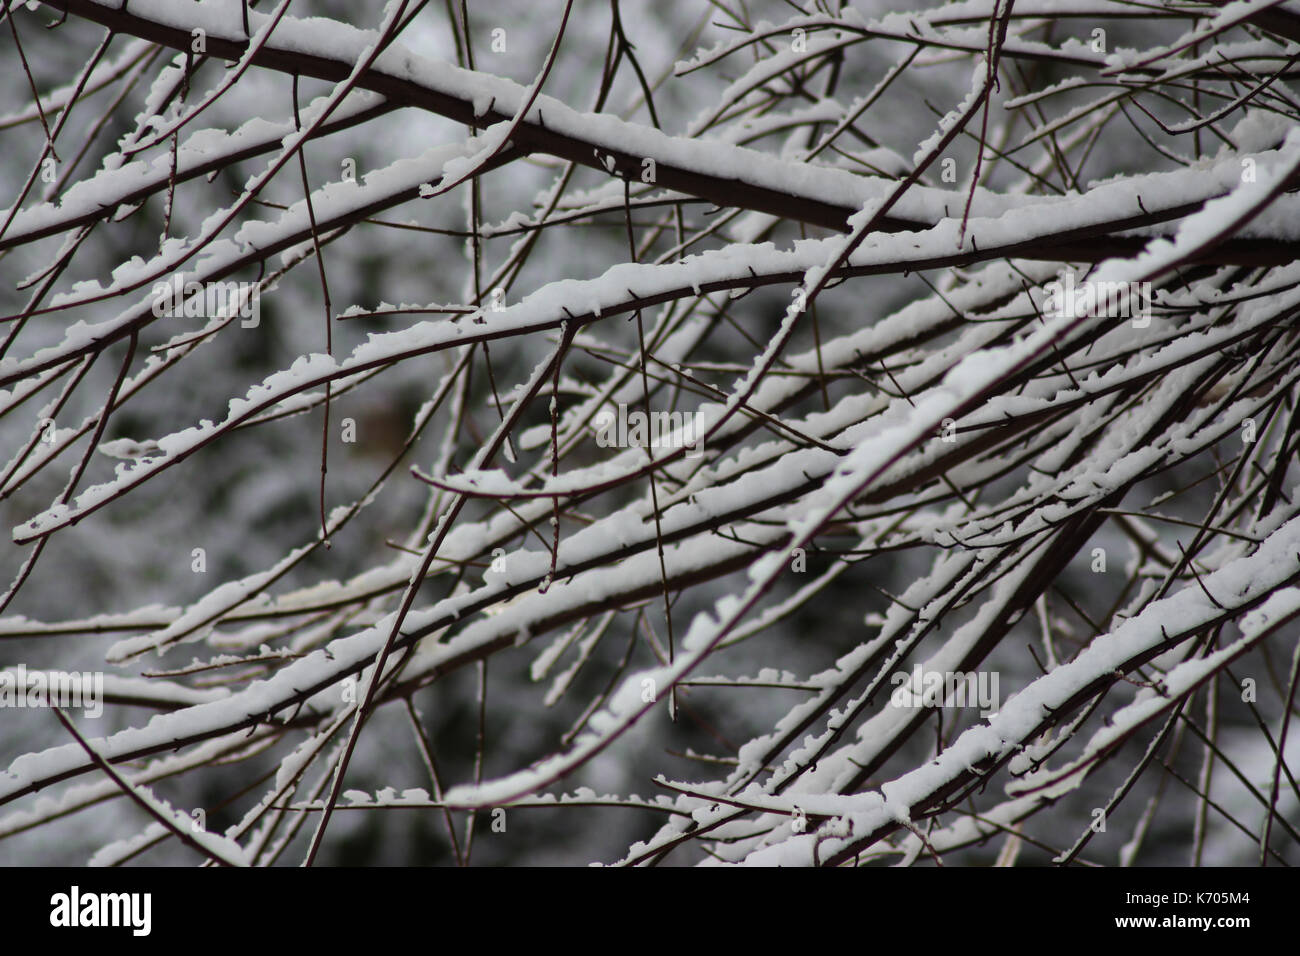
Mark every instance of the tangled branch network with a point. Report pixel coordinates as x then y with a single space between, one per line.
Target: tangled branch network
799 433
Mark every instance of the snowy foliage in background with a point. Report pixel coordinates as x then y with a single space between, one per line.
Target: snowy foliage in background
578 431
